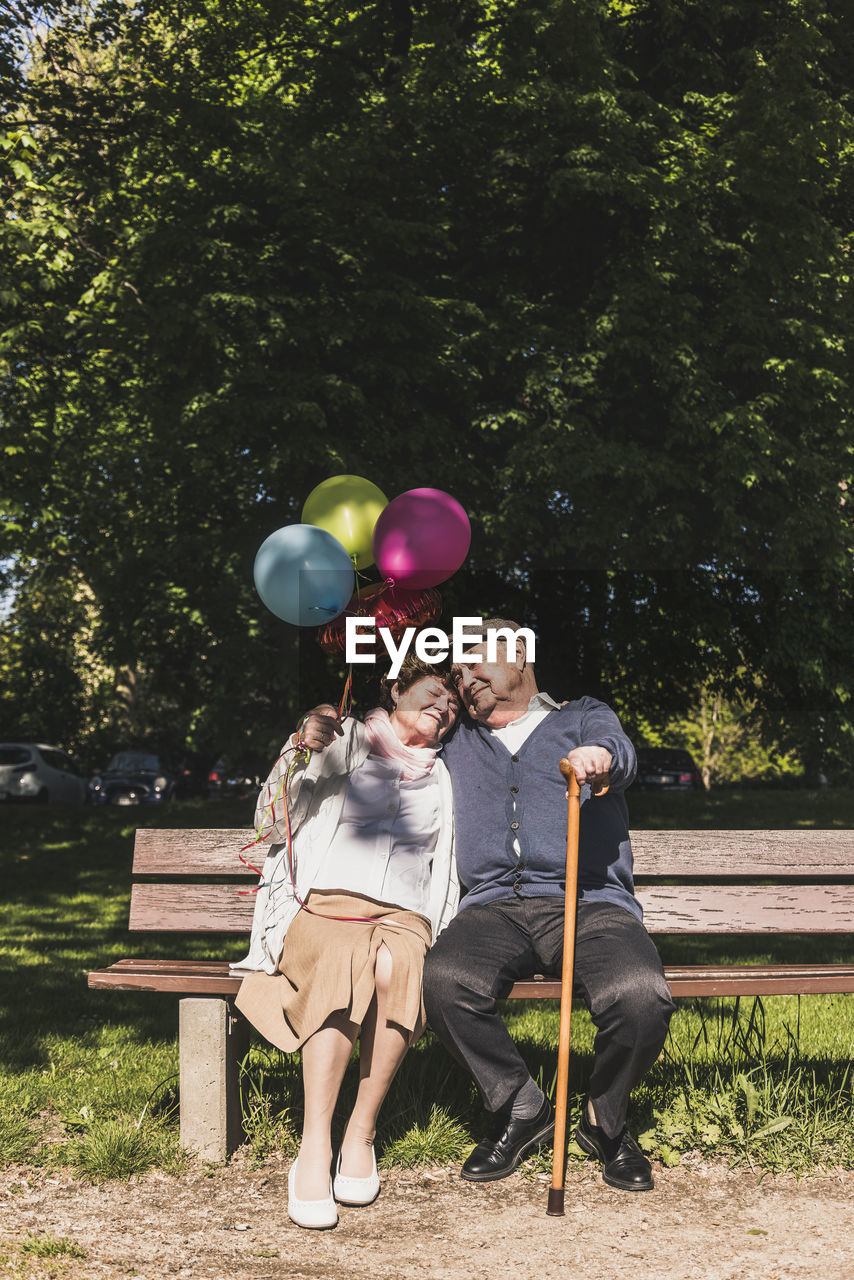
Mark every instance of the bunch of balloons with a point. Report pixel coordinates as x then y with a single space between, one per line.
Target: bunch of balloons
305 573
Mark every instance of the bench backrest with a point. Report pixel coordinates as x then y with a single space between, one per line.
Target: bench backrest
699 882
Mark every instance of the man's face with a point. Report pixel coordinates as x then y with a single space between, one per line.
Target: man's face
487 688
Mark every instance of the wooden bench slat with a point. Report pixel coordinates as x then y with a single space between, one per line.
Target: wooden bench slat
213 977
195 852
726 908
722 854
190 908
671 909
728 980
772 854
219 983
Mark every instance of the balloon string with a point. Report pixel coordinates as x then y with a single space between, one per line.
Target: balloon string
300 752
345 706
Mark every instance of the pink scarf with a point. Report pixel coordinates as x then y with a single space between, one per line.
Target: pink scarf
417 761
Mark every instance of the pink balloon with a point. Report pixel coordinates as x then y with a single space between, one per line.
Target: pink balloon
421 538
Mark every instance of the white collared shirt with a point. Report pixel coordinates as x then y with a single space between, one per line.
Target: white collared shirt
516 732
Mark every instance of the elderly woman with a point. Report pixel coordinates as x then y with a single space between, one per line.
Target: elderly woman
340 933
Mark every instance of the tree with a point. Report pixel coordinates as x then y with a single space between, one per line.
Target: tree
726 741
53 686
584 266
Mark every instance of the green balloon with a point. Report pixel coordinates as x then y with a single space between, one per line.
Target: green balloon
348 507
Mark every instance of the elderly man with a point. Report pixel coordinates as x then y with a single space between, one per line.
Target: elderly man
510 824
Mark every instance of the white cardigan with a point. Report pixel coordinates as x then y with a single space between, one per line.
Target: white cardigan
315 800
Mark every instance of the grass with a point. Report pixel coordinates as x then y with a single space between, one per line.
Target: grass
89 1079
40 1256
46 1246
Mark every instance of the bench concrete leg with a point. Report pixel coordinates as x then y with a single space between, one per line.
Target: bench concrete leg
212 1039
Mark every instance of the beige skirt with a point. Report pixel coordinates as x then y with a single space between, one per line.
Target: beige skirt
327 966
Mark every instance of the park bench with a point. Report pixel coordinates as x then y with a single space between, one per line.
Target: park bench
689 882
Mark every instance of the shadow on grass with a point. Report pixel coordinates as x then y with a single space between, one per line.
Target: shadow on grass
428 1079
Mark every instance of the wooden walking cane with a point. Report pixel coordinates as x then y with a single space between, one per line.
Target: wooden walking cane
556 1190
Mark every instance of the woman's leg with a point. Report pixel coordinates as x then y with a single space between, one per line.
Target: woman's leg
382 1048
324 1060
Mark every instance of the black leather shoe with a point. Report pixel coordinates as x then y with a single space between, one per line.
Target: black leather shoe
624 1165
505 1148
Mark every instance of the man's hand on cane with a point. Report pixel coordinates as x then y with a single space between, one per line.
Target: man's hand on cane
591 764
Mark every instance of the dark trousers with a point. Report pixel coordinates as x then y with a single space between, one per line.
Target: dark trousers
618 974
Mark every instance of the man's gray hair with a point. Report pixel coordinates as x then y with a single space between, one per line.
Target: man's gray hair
507 631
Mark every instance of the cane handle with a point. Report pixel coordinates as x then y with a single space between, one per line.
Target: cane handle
568 772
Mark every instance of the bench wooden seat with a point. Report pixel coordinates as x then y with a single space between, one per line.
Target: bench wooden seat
214 978
714 883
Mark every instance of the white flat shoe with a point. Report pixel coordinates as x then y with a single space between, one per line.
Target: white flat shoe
356 1190
317 1214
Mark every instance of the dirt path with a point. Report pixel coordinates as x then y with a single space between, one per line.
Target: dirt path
701 1221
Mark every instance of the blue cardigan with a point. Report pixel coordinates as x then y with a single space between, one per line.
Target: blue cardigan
487 779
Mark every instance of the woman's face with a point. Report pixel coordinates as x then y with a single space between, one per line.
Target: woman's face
424 712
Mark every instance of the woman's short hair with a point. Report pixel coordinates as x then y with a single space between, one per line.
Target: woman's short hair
413 669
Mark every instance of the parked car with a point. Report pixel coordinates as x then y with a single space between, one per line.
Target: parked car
667 769
227 782
132 777
37 772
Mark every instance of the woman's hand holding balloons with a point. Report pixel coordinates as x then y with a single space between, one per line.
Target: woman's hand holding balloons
319 727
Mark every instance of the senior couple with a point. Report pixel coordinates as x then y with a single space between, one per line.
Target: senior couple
407 864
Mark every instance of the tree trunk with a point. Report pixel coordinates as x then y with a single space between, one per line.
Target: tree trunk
708 724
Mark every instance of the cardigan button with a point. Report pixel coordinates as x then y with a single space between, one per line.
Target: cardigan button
514 790
514 826
515 759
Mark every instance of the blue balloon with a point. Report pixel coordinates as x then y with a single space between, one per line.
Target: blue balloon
304 575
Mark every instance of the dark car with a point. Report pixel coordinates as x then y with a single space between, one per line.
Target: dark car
132 777
233 782
667 769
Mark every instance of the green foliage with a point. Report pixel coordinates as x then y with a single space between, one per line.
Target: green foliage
585 266
53 686
761 1101
726 741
